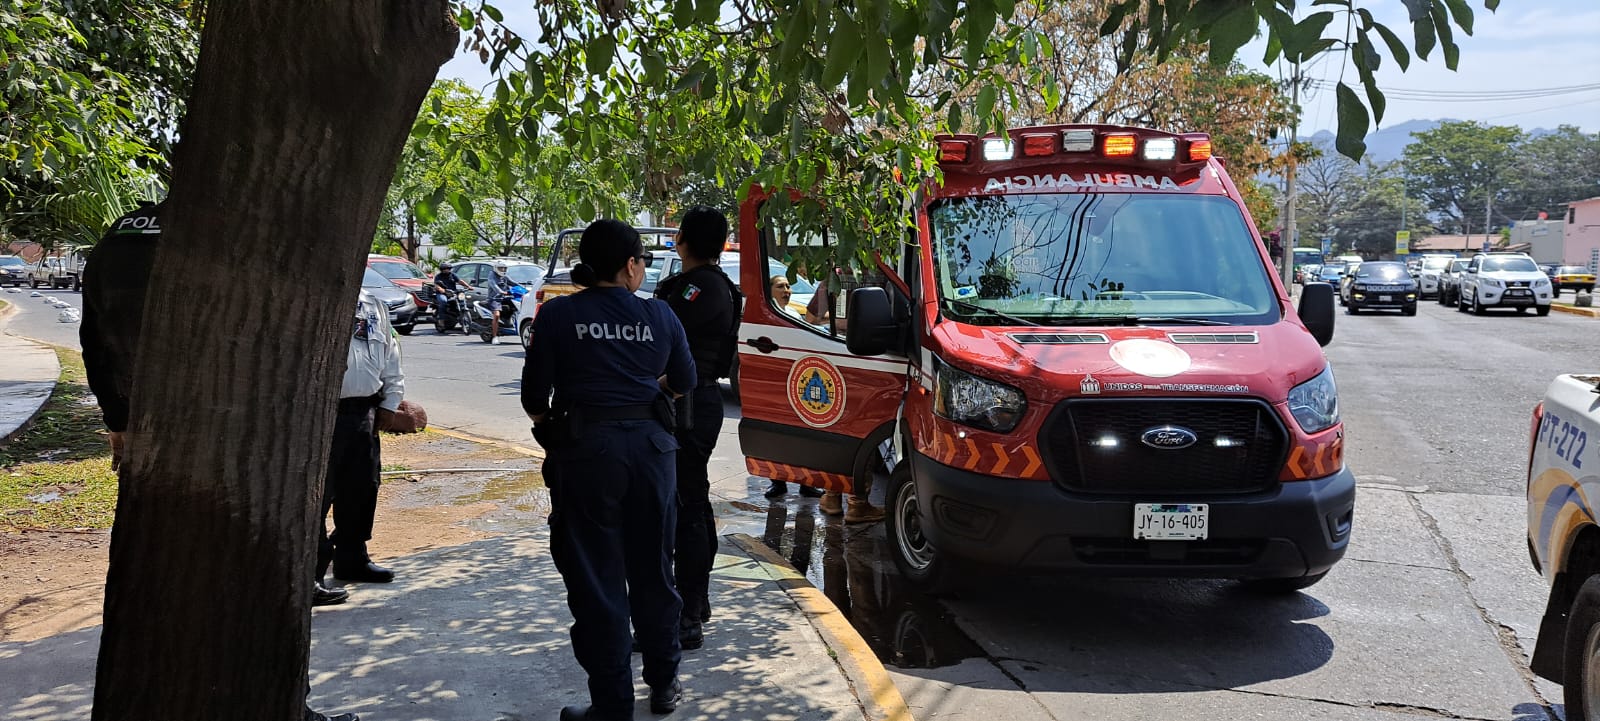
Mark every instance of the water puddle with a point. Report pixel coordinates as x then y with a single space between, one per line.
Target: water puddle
852 566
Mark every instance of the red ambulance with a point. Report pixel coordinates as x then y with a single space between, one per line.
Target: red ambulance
1081 360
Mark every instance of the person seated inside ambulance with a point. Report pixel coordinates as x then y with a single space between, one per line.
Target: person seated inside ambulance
783 298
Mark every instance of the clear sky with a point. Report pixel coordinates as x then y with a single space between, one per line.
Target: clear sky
1527 44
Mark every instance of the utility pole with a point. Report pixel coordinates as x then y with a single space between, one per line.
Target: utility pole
1287 242
1488 208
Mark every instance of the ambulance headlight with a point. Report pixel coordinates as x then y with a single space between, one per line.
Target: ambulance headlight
969 400
1315 403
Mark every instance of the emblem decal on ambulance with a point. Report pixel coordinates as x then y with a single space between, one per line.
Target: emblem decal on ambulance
816 391
1153 358
1169 438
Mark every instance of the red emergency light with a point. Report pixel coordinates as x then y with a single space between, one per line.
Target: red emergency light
954 151
1038 144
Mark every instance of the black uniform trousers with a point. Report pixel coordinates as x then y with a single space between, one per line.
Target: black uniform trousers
611 537
351 484
697 525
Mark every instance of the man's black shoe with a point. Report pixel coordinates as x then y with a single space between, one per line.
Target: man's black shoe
369 572
589 713
314 716
666 700
323 596
690 635
810 492
778 489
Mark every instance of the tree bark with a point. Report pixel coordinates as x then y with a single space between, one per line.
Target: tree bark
297 119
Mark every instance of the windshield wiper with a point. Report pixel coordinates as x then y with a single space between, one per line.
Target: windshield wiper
1135 320
1002 316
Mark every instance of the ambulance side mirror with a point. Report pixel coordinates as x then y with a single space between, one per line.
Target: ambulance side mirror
873 329
1316 311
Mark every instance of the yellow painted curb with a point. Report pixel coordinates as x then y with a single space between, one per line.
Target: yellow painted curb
879 698
458 435
1575 310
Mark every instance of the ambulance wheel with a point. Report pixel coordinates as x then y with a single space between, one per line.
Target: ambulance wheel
1581 662
913 553
1276 586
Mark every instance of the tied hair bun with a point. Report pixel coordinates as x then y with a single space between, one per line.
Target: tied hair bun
584 275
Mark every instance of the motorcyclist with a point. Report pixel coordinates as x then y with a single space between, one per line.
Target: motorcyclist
446 285
501 299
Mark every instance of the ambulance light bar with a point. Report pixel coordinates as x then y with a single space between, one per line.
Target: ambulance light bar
1186 148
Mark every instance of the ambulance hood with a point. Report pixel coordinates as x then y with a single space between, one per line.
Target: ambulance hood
1054 363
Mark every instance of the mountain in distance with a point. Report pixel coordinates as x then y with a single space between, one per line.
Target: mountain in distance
1389 143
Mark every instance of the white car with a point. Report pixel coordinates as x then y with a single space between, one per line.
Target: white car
1433 267
1504 280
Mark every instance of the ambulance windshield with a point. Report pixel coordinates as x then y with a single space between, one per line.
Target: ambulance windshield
1099 257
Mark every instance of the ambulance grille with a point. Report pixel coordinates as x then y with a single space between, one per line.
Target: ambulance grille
1094 446
1215 338
1059 338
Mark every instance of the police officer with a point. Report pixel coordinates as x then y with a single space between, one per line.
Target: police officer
368 398
115 282
705 300
601 363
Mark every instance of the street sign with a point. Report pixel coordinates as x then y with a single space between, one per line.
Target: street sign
1327 246
1402 242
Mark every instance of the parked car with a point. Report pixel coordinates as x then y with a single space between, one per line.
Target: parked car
1549 269
13 270
407 275
1381 285
1307 273
1450 281
1429 270
1504 280
1331 274
1576 278
1350 269
402 306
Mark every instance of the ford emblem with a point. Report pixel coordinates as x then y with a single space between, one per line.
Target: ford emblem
1169 438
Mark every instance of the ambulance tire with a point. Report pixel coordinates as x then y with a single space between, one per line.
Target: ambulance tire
915 557
1278 586
1581 662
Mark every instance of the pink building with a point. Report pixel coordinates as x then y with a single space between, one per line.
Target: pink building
1583 232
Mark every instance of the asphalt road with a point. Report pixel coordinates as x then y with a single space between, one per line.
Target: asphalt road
1431 614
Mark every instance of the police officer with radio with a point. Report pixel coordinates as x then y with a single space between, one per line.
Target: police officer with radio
706 301
597 383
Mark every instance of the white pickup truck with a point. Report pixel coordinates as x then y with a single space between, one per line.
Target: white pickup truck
1564 538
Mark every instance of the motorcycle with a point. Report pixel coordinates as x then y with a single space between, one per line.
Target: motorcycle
450 309
480 319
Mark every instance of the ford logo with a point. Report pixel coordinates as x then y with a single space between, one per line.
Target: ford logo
1169 438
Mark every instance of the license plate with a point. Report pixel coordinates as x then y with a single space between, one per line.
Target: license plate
1516 291
1385 299
1171 521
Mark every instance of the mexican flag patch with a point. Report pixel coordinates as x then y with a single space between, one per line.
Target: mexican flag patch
691 292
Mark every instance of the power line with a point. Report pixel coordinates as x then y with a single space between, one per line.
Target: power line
1474 96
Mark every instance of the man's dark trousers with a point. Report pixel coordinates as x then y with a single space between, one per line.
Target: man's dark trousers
611 538
351 487
697 526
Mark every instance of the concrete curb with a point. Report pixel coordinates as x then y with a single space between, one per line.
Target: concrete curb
458 435
21 402
1575 310
879 698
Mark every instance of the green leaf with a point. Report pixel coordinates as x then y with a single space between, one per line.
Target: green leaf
1375 98
1418 9
438 105
1441 23
1006 8
688 81
466 19
985 108
955 117
844 48
682 14
772 121
1353 124
1462 13
1307 32
462 205
1396 48
708 85
978 24
597 56
470 157
586 210
493 13
707 11
1425 37
1231 32
1491 5
856 88
877 59
655 69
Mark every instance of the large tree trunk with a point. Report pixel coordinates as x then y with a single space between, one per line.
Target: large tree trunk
298 115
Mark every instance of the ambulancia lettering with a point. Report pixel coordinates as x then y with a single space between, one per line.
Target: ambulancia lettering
1066 181
615 331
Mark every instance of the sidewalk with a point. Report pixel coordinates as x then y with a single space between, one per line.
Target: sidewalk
478 632
28 373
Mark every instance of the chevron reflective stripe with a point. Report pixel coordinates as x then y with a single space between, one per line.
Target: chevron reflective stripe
795 474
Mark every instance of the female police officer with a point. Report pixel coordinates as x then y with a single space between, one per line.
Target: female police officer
597 368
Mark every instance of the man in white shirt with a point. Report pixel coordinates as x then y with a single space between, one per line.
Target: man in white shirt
372 390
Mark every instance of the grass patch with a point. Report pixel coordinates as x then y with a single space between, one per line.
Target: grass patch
393 467
57 473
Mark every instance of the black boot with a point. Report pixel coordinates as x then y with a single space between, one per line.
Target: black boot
367 571
810 492
778 489
691 635
314 716
666 700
